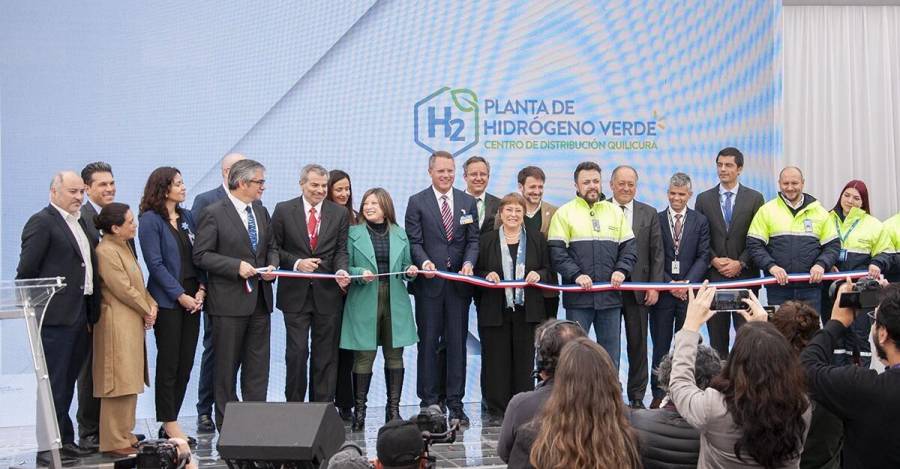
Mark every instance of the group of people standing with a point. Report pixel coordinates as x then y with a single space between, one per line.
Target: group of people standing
220 257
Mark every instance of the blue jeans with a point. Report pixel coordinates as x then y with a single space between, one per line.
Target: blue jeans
607 327
811 296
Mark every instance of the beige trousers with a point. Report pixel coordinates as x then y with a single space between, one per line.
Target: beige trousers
117 422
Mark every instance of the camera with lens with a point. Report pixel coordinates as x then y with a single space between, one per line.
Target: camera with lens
160 454
865 294
432 420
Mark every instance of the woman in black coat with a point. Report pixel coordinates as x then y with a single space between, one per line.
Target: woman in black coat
507 317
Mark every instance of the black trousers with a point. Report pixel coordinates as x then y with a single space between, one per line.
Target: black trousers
205 388
507 360
636 317
241 343
325 330
88 414
65 349
176 332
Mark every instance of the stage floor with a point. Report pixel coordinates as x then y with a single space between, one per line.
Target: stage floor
475 446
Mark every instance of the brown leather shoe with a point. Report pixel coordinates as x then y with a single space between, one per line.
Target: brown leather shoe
655 403
122 452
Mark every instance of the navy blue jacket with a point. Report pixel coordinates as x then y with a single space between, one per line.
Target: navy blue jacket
159 248
428 241
693 253
203 200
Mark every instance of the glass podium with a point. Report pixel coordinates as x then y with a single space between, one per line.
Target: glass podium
27 416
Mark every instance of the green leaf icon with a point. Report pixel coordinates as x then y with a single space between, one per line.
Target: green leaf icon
464 99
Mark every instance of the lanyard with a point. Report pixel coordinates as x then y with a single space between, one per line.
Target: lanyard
677 240
844 237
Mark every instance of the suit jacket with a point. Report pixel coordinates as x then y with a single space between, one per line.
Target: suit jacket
120 356
730 241
222 242
49 249
493 300
547 212
428 240
206 198
491 206
693 253
648 243
87 214
292 242
163 256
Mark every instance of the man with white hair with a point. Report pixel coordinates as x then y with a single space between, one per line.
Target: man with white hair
55 244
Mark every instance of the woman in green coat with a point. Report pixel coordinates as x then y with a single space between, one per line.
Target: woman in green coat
378 310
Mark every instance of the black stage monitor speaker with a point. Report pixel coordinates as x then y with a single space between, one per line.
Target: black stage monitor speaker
280 431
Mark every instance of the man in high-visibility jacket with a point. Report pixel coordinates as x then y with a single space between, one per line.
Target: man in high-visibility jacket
590 241
792 234
888 260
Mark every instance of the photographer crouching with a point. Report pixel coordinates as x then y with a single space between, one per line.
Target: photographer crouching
868 403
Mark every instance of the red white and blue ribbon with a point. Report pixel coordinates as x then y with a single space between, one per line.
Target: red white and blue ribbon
597 287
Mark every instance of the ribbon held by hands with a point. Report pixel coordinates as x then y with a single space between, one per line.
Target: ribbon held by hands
596 287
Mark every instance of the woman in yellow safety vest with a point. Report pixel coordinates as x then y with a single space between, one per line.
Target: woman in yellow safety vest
859 233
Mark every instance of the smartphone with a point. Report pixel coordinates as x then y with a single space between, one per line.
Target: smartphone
730 300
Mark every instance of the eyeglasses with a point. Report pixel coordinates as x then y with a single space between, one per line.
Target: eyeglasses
261 182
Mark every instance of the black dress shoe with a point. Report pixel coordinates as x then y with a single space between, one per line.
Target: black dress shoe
71 449
458 414
636 404
191 441
346 413
140 437
90 442
205 424
44 457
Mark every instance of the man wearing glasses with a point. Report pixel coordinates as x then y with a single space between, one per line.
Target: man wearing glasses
233 240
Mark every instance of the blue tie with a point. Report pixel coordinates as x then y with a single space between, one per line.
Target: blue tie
251 228
727 209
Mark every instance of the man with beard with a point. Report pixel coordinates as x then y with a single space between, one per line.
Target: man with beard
864 400
591 241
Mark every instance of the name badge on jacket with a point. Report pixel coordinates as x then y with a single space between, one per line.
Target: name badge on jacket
807 225
466 219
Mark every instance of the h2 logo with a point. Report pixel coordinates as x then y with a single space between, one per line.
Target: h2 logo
447 120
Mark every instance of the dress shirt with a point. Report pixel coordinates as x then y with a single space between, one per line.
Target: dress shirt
478 199
241 208
83 245
318 207
97 208
672 214
629 210
438 195
722 198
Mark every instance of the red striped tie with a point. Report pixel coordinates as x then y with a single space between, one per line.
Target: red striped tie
447 218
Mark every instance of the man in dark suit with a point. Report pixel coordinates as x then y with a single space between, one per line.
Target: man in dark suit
477 173
729 207
55 243
648 268
442 226
100 188
205 390
685 237
311 236
234 239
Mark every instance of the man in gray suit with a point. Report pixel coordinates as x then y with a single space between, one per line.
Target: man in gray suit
729 207
648 268
100 188
233 240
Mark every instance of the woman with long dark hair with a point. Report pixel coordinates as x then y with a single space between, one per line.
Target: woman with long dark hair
583 422
340 191
166 235
755 413
858 232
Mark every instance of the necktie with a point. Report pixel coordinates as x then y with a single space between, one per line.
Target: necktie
251 228
678 227
447 217
480 204
311 224
727 209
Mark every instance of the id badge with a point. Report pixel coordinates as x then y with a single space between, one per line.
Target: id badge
842 257
466 219
676 268
807 225
596 224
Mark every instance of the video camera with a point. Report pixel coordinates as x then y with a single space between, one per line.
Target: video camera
156 454
865 294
